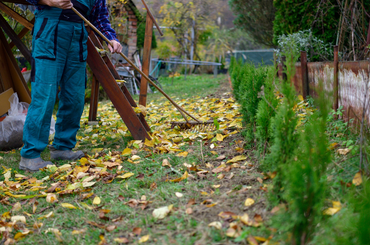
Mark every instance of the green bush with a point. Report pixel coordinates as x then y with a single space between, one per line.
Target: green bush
305 182
266 112
247 81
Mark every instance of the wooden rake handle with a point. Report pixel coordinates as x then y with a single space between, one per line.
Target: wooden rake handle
137 69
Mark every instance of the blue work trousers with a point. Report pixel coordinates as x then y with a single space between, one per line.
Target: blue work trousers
59 62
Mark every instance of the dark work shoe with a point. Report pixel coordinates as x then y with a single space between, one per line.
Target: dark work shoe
33 164
65 155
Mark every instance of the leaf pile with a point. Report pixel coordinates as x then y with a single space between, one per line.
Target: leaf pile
105 164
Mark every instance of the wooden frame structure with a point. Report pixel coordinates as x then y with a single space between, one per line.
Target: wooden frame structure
102 68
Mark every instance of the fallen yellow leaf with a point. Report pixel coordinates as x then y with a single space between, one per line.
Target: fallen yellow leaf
96 200
67 205
237 159
216 224
183 154
357 180
249 202
126 176
161 213
144 239
183 177
127 152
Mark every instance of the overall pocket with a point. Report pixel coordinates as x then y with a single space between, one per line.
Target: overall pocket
45 38
83 44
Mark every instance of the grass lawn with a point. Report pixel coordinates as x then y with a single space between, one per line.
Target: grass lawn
109 196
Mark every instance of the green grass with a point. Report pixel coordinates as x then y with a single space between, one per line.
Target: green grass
181 88
177 228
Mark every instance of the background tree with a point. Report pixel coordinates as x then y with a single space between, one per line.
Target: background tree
256 17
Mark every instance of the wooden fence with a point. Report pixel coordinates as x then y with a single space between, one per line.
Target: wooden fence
346 83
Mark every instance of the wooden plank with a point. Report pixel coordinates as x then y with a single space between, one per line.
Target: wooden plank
5 76
21 34
146 60
304 72
152 17
336 80
4 101
14 37
114 93
16 16
94 100
19 84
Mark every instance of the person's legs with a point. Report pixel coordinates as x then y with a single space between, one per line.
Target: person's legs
71 101
47 72
37 125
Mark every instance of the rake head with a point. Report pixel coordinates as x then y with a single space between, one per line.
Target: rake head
194 125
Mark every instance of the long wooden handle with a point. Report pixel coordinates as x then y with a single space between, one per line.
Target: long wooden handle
134 66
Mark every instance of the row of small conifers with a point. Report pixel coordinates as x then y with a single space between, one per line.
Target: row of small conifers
291 139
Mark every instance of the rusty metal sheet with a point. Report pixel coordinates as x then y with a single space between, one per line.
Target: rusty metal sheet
353 84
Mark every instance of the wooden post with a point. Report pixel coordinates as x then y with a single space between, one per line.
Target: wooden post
115 94
14 37
94 100
304 72
336 80
146 59
283 68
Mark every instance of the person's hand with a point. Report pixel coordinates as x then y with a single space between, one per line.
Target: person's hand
117 48
62 4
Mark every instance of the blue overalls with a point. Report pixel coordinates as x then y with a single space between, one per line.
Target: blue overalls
59 53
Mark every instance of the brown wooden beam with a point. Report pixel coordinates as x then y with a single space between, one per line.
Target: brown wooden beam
304 73
22 33
16 16
94 100
14 37
336 79
114 93
17 79
152 17
146 60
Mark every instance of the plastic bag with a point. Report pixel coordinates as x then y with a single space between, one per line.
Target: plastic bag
11 128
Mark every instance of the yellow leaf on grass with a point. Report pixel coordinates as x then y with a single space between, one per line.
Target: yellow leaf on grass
121 240
144 239
19 218
78 232
67 205
96 200
51 198
330 211
335 209
333 146
237 159
51 214
127 152
357 180
249 202
135 157
126 176
216 224
184 176
15 196
220 137
183 154
161 213
214 152
149 143
343 151
165 162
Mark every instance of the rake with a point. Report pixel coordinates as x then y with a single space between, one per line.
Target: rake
182 125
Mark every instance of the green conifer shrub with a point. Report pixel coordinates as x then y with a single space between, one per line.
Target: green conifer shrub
305 180
266 111
252 81
285 136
